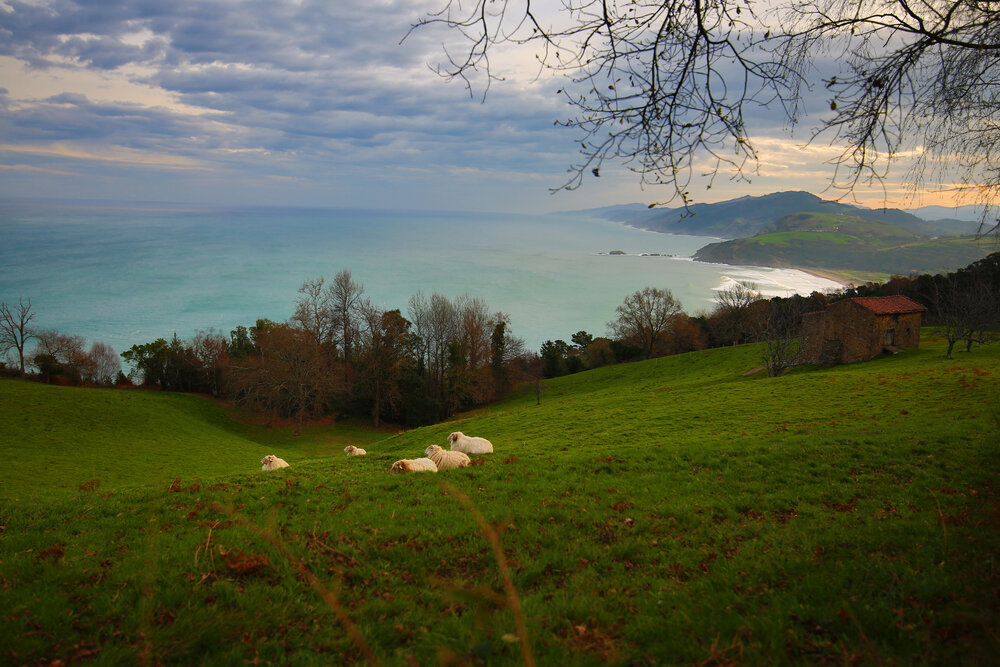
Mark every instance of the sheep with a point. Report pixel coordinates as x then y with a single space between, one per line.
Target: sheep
351 450
413 465
470 445
272 462
444 459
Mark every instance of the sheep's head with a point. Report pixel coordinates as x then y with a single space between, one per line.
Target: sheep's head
398 466
454 436
350 449
433 449
267 459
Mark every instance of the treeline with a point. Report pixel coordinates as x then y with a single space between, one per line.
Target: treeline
341 354
57 357
963 306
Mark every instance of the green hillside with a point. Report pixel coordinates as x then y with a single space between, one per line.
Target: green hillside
62 437
747 216
674 511
847 243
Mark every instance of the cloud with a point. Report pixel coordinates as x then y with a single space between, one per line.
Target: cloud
301 93
33 169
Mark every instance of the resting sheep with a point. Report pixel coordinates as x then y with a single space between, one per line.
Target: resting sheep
272 462
351 450
413 465
444 459
470 445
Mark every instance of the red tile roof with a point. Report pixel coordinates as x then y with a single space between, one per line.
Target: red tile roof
889 305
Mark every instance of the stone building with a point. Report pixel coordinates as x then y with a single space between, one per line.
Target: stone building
859 329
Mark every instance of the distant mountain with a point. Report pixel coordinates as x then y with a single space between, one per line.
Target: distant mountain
968 213
747 216
846 243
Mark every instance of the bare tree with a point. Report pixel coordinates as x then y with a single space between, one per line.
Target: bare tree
63 355
314 311
436 326
211 349
964 305
776 326
344 300
644 317
107 363
916 75
16 329
731 316
661 85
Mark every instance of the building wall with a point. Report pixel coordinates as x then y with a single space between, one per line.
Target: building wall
846 332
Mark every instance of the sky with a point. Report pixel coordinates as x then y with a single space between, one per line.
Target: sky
307 103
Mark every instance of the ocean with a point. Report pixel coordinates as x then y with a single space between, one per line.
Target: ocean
124 273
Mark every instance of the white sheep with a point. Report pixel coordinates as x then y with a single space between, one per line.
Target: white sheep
444 459
413 465
470 445
351 450
272 462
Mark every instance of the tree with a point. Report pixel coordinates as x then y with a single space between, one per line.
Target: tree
149 360
290 374
665 86
730 319
62 355
240 344
386 357
777 324
582 340
644 317
684 335
314 311
344 299
211 350
107 364
16 329
599 353
554 355
965 308
435 323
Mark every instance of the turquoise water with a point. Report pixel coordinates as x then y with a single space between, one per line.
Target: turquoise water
126 273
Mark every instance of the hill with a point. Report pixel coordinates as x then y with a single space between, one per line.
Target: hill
846 242
672 511
747 216
135 438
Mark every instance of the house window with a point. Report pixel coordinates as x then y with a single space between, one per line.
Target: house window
890 336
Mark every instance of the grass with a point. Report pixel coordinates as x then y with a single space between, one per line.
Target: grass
64 437
672 511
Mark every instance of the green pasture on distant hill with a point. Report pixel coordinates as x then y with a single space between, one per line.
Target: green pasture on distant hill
676 511
847 243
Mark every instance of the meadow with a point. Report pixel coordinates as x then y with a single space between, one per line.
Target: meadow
676 511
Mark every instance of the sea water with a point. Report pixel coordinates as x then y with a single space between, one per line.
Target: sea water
127 273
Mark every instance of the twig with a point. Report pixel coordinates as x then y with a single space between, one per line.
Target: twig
328 596
508 582
944 528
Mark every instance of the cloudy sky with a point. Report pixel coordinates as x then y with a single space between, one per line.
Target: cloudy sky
299 102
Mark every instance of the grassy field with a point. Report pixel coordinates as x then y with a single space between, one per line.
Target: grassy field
66 437
666 512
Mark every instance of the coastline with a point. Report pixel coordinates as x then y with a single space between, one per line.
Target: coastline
834 276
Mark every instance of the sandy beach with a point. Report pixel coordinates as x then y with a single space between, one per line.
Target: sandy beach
828 275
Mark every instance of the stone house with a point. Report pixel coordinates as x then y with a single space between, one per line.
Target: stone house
860 329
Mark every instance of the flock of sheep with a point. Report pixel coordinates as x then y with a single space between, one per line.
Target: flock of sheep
435 457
